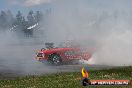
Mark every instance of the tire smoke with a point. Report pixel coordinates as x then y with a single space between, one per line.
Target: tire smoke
106 29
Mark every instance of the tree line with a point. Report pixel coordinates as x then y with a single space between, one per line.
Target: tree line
20 23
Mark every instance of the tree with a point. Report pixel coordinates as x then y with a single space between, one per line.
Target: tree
19 18
10 19
30 17
38 16
3 20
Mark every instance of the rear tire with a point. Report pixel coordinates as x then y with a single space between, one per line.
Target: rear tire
55 59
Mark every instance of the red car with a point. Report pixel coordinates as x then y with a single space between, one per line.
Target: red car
59 55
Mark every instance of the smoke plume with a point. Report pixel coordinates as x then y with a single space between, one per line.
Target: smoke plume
107 28
103 26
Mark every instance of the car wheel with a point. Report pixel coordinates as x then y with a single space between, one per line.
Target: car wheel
55 59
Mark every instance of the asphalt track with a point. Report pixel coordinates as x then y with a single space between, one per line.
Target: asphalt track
16 60
11 73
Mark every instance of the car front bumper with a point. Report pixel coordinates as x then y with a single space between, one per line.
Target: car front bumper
40 58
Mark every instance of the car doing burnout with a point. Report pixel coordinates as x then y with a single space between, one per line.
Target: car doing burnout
62 54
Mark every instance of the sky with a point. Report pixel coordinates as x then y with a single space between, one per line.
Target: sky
26 5
23 5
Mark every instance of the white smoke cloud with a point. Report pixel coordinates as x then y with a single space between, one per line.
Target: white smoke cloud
36 2
28 3
110 29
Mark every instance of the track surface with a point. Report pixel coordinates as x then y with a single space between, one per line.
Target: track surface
16 60
11 73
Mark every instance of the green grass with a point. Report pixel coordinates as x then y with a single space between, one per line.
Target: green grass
67 80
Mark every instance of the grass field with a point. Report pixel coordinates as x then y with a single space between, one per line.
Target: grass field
67 80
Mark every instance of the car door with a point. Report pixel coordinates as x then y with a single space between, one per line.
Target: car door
72 54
